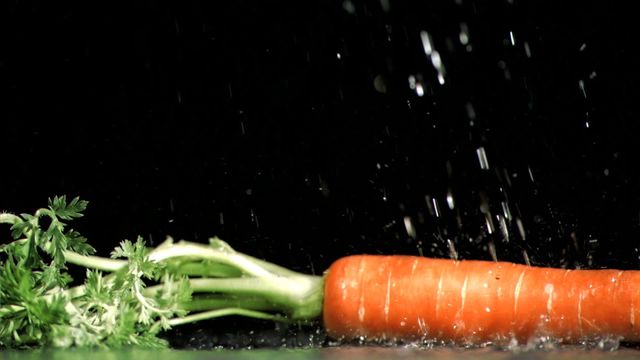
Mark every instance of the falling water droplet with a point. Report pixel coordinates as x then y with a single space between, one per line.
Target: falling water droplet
386 5
525 255
492 251
450 201
521 229
527 49
505 210
503 227
436 208
348 6
581 85
453 254
471 113
434 56
464 34
426 42
482 158
408 225
489 222
512 38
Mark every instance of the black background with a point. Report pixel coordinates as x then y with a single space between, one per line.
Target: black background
289 129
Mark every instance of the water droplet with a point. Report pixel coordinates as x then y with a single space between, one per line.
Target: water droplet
436 60
489 223
436 208
464 34
525 255
512 38
492 251
453 254
581 85
386 5
426 42
521 229
348 6
505 210
408 225
482 158
471 112
450 201
380 83
527 49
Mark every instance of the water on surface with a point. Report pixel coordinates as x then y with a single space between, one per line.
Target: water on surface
338 353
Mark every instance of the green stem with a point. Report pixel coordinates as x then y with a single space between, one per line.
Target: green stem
7 218
225 312
213 302
94 262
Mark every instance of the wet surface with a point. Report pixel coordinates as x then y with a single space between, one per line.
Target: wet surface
347 353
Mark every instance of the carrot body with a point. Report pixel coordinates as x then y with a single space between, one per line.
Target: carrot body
413 298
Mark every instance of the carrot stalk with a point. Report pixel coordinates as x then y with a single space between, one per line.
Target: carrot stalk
370 297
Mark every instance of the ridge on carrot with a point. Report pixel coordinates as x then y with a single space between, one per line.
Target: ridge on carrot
129 298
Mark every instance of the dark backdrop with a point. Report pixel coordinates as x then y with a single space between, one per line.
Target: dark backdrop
293 130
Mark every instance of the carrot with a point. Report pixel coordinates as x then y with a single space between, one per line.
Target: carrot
373 297
412 298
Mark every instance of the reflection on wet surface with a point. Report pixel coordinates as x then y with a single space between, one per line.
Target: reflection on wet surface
337 353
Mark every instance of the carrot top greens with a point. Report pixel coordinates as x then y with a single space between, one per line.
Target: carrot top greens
129 298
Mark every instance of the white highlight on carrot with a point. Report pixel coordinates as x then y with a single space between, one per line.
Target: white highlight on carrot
361 311
580 298
632 314
516 292
422 325
387 299
414 266
438 292
463 293
548 289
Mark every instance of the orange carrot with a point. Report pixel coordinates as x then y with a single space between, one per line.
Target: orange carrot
412 298
402 298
